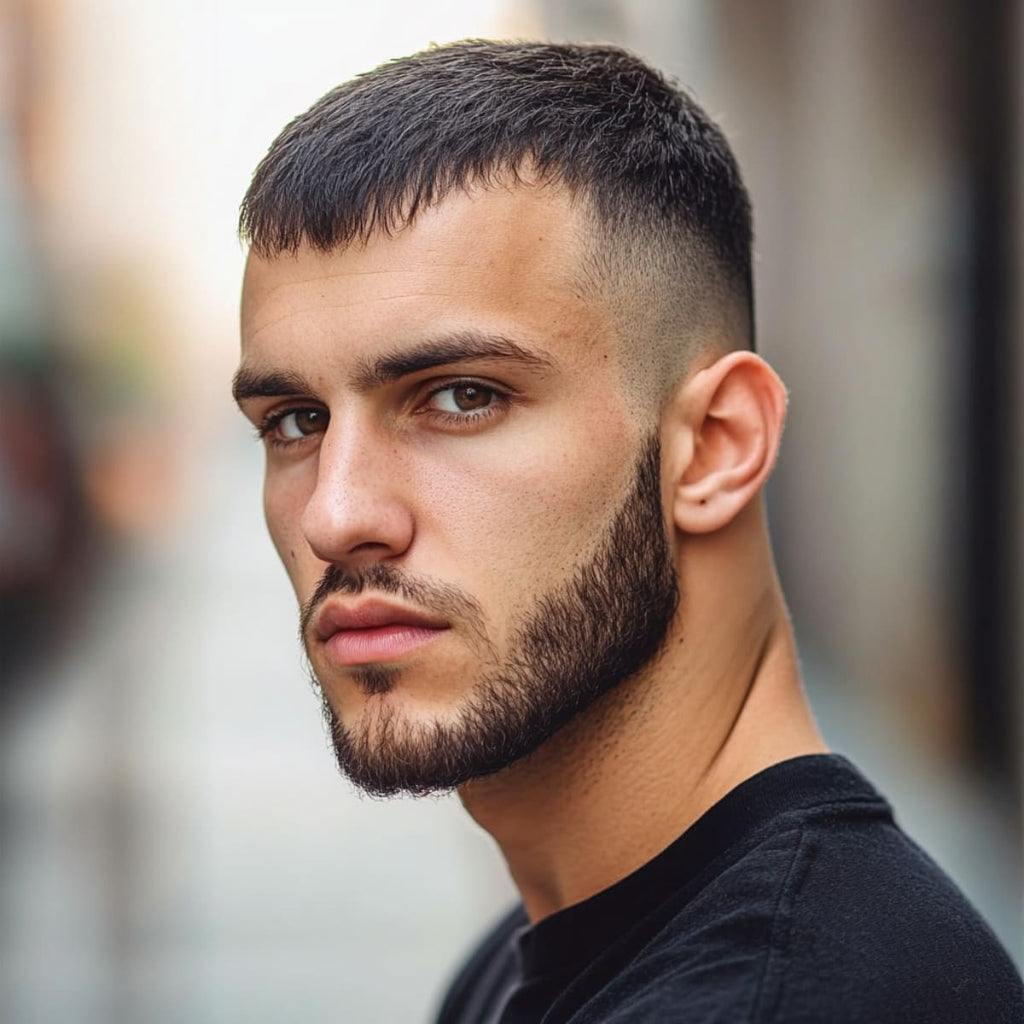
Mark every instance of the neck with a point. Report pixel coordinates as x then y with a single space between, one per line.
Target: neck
630 774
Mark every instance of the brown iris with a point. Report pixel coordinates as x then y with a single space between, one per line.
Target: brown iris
469 397
310 421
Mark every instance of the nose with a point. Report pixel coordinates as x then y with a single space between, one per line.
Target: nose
358 512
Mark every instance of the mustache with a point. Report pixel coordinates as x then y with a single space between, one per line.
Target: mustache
440 599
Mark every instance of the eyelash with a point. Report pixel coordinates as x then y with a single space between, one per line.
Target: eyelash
265 430
499 403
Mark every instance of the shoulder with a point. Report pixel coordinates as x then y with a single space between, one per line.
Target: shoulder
874 930
486 975
845 921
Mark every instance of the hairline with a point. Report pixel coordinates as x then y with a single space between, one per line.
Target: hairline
601 274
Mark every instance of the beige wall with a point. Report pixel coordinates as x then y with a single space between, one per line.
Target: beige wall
841 116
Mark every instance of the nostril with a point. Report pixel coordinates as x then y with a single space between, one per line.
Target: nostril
369 546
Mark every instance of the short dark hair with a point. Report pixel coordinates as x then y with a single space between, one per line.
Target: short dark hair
658 175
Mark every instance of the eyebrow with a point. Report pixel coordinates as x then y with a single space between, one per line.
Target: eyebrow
256 384
452 348
369 374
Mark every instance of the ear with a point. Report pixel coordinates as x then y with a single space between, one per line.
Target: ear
722 432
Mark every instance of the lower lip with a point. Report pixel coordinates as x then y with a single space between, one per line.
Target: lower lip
381 643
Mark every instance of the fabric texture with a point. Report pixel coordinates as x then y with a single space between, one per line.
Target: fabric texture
794 900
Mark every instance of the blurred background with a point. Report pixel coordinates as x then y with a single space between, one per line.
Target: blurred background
174 842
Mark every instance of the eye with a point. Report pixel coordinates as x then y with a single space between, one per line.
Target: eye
294 425
463 398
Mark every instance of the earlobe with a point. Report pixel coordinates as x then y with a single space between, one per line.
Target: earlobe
729 424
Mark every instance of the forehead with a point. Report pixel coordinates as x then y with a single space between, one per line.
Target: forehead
503 260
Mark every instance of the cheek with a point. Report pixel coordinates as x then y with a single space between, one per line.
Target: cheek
283 505
521 518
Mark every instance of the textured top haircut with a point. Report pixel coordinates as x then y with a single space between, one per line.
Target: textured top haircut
668 244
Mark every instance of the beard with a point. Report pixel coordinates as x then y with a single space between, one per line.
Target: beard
597 629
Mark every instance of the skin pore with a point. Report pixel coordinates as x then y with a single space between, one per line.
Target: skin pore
444 403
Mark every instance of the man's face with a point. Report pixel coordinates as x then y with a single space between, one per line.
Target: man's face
469 513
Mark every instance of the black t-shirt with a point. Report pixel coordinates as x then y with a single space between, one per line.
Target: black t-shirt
794 900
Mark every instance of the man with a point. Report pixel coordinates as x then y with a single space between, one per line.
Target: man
497 339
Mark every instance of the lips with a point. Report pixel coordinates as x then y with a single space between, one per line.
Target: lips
374 631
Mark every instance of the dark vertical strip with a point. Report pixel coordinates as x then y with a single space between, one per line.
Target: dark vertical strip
990 135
